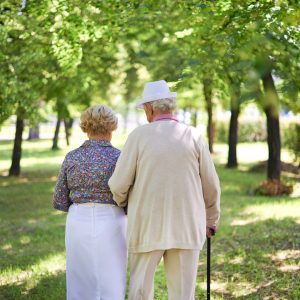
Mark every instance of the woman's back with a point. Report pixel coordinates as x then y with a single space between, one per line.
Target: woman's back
85 173
89 169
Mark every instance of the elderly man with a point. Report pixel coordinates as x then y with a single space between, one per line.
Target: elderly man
166 176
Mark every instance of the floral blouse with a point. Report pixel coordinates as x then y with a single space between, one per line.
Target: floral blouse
84 175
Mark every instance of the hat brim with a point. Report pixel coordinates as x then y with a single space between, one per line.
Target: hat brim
141 102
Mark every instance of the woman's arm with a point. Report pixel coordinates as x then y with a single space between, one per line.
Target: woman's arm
61 199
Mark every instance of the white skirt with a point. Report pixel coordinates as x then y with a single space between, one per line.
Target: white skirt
96 252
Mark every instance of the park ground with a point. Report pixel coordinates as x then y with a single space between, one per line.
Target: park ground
255 255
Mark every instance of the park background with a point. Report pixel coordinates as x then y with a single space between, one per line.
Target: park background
235 67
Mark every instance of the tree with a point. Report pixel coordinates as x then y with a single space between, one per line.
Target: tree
21 70
215 46
45 42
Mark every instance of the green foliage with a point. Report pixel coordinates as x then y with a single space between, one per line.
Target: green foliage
69 50
74 53
53 50
22 57
255 131
291 140
248 131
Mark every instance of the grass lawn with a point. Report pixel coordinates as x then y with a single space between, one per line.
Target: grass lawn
255 255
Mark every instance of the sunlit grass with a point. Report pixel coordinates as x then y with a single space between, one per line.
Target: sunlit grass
255 254
50 265
275 210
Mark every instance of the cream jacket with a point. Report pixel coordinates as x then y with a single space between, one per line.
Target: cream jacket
166 174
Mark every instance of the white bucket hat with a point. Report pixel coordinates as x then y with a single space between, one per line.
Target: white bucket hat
155 90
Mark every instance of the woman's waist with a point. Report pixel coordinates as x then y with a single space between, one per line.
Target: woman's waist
84 196
87 210
94 204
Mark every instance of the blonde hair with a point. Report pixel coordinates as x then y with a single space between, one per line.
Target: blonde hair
99 119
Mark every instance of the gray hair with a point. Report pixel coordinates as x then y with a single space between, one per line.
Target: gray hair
166 105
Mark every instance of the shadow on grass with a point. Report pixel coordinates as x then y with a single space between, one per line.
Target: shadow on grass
49 287
256 261
29 248
31 149
42 175
241 183
30 228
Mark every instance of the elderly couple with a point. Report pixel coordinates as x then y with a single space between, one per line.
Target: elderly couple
165 178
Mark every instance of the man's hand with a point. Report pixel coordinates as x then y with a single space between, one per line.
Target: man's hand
210 231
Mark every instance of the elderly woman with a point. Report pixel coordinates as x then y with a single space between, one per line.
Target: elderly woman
166 174
95 228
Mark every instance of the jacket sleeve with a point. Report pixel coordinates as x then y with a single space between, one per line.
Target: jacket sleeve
210 185
61 199
124 174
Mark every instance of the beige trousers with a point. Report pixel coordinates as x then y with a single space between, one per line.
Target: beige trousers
180 268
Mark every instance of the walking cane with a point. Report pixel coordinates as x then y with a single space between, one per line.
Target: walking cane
212 231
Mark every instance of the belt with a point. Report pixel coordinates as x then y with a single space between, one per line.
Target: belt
93 204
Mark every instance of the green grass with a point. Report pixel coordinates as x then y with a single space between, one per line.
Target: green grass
255 255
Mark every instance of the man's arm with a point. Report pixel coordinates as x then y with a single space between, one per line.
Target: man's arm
210 185
124 173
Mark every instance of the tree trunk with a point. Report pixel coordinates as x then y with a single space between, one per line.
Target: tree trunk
271 109
17 150
137 118
233 139
125 118
130 83
68 126
34 133
184 115
194 119
56 133
207 89
235 93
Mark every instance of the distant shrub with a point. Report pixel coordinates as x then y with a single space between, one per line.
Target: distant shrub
248 132
221 133
256 131
291 139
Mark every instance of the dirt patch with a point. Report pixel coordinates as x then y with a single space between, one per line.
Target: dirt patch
285 167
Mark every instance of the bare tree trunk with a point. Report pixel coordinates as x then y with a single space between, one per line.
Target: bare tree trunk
271 109
56 134
235 93
194 119
137 118
233 139
125 117
68 126
207 89
184 115
17 150
34 133
131 84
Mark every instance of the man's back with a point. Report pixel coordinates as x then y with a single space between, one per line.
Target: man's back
163 167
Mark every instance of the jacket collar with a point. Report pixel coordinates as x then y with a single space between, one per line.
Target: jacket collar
103 143
166 117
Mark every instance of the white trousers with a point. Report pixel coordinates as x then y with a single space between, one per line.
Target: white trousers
181 273
96 252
